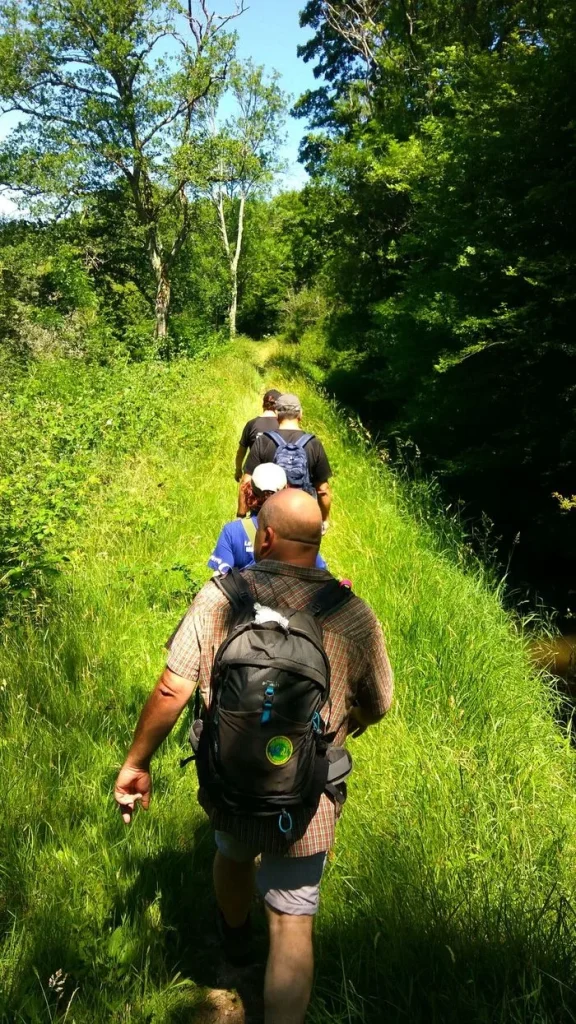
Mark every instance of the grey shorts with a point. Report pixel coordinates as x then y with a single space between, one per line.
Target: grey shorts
290 885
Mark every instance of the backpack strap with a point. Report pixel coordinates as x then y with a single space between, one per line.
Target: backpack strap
275 436
250 529
329 597
303 441
235 588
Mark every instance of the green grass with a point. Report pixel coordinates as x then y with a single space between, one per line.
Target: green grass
450 896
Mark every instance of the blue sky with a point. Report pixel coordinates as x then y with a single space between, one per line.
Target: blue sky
269 33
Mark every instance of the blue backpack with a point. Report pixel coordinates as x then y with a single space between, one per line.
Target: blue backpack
291 456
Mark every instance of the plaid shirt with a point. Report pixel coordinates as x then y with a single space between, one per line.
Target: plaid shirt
360 672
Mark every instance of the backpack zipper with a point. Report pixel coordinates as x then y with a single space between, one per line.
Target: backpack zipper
267 706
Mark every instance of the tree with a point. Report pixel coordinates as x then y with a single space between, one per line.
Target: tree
445 132
245 160
111 89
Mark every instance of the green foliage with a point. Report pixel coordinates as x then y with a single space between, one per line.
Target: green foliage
445 135
302 311
284 248
106 92
48 303
246 147
241 160
449 896
61 422
566 503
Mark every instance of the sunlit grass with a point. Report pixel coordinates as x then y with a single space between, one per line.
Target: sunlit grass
450 893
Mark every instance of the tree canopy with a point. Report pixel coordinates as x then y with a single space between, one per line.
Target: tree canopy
112 89
444 135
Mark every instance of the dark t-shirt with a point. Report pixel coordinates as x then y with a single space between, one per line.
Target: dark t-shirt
255 427
264 450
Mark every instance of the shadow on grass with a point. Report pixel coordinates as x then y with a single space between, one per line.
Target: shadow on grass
354 384
179 882
387 957
416 964
285 364
421 961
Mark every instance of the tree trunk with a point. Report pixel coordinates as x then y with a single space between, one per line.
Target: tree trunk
233 302
234 268
162 304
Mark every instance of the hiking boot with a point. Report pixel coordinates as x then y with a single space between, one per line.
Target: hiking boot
237 943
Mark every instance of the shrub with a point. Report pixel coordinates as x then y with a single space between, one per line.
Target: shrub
301 311
57 418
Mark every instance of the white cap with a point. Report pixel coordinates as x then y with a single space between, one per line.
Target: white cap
269 477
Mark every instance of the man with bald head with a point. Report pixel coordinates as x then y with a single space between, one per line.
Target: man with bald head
289 874
291 528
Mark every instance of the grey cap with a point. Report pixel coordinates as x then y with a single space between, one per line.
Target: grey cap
288 405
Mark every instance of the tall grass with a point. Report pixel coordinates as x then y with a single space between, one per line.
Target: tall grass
450 895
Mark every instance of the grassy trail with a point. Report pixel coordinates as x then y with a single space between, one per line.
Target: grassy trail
450 896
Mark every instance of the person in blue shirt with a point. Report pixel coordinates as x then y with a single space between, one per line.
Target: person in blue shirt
235 545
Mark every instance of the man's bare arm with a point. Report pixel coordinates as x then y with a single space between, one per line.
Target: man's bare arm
242 507
159 716
324 499
240 456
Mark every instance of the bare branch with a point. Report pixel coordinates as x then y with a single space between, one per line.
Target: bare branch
357 25
207 23
184 226
141 56
239 234
19 108
68 83
219 200
184 108
225 18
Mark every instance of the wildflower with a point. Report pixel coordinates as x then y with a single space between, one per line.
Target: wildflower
57 982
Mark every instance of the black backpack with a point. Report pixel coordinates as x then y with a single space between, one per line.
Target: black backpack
264 747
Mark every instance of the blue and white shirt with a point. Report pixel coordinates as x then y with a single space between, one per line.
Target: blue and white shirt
234 549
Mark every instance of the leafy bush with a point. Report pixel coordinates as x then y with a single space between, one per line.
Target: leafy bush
192 336
58 419
301 311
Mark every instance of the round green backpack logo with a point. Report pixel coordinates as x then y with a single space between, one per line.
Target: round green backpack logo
279 750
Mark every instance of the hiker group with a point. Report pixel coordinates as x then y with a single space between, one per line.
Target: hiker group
284 662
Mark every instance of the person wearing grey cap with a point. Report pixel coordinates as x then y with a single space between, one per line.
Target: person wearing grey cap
301 455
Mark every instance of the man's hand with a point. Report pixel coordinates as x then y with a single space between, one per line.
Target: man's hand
237 475
355 727
133 785
359 721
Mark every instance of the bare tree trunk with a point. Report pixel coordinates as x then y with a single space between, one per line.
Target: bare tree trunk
234 269
233 259
233 302
163 290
